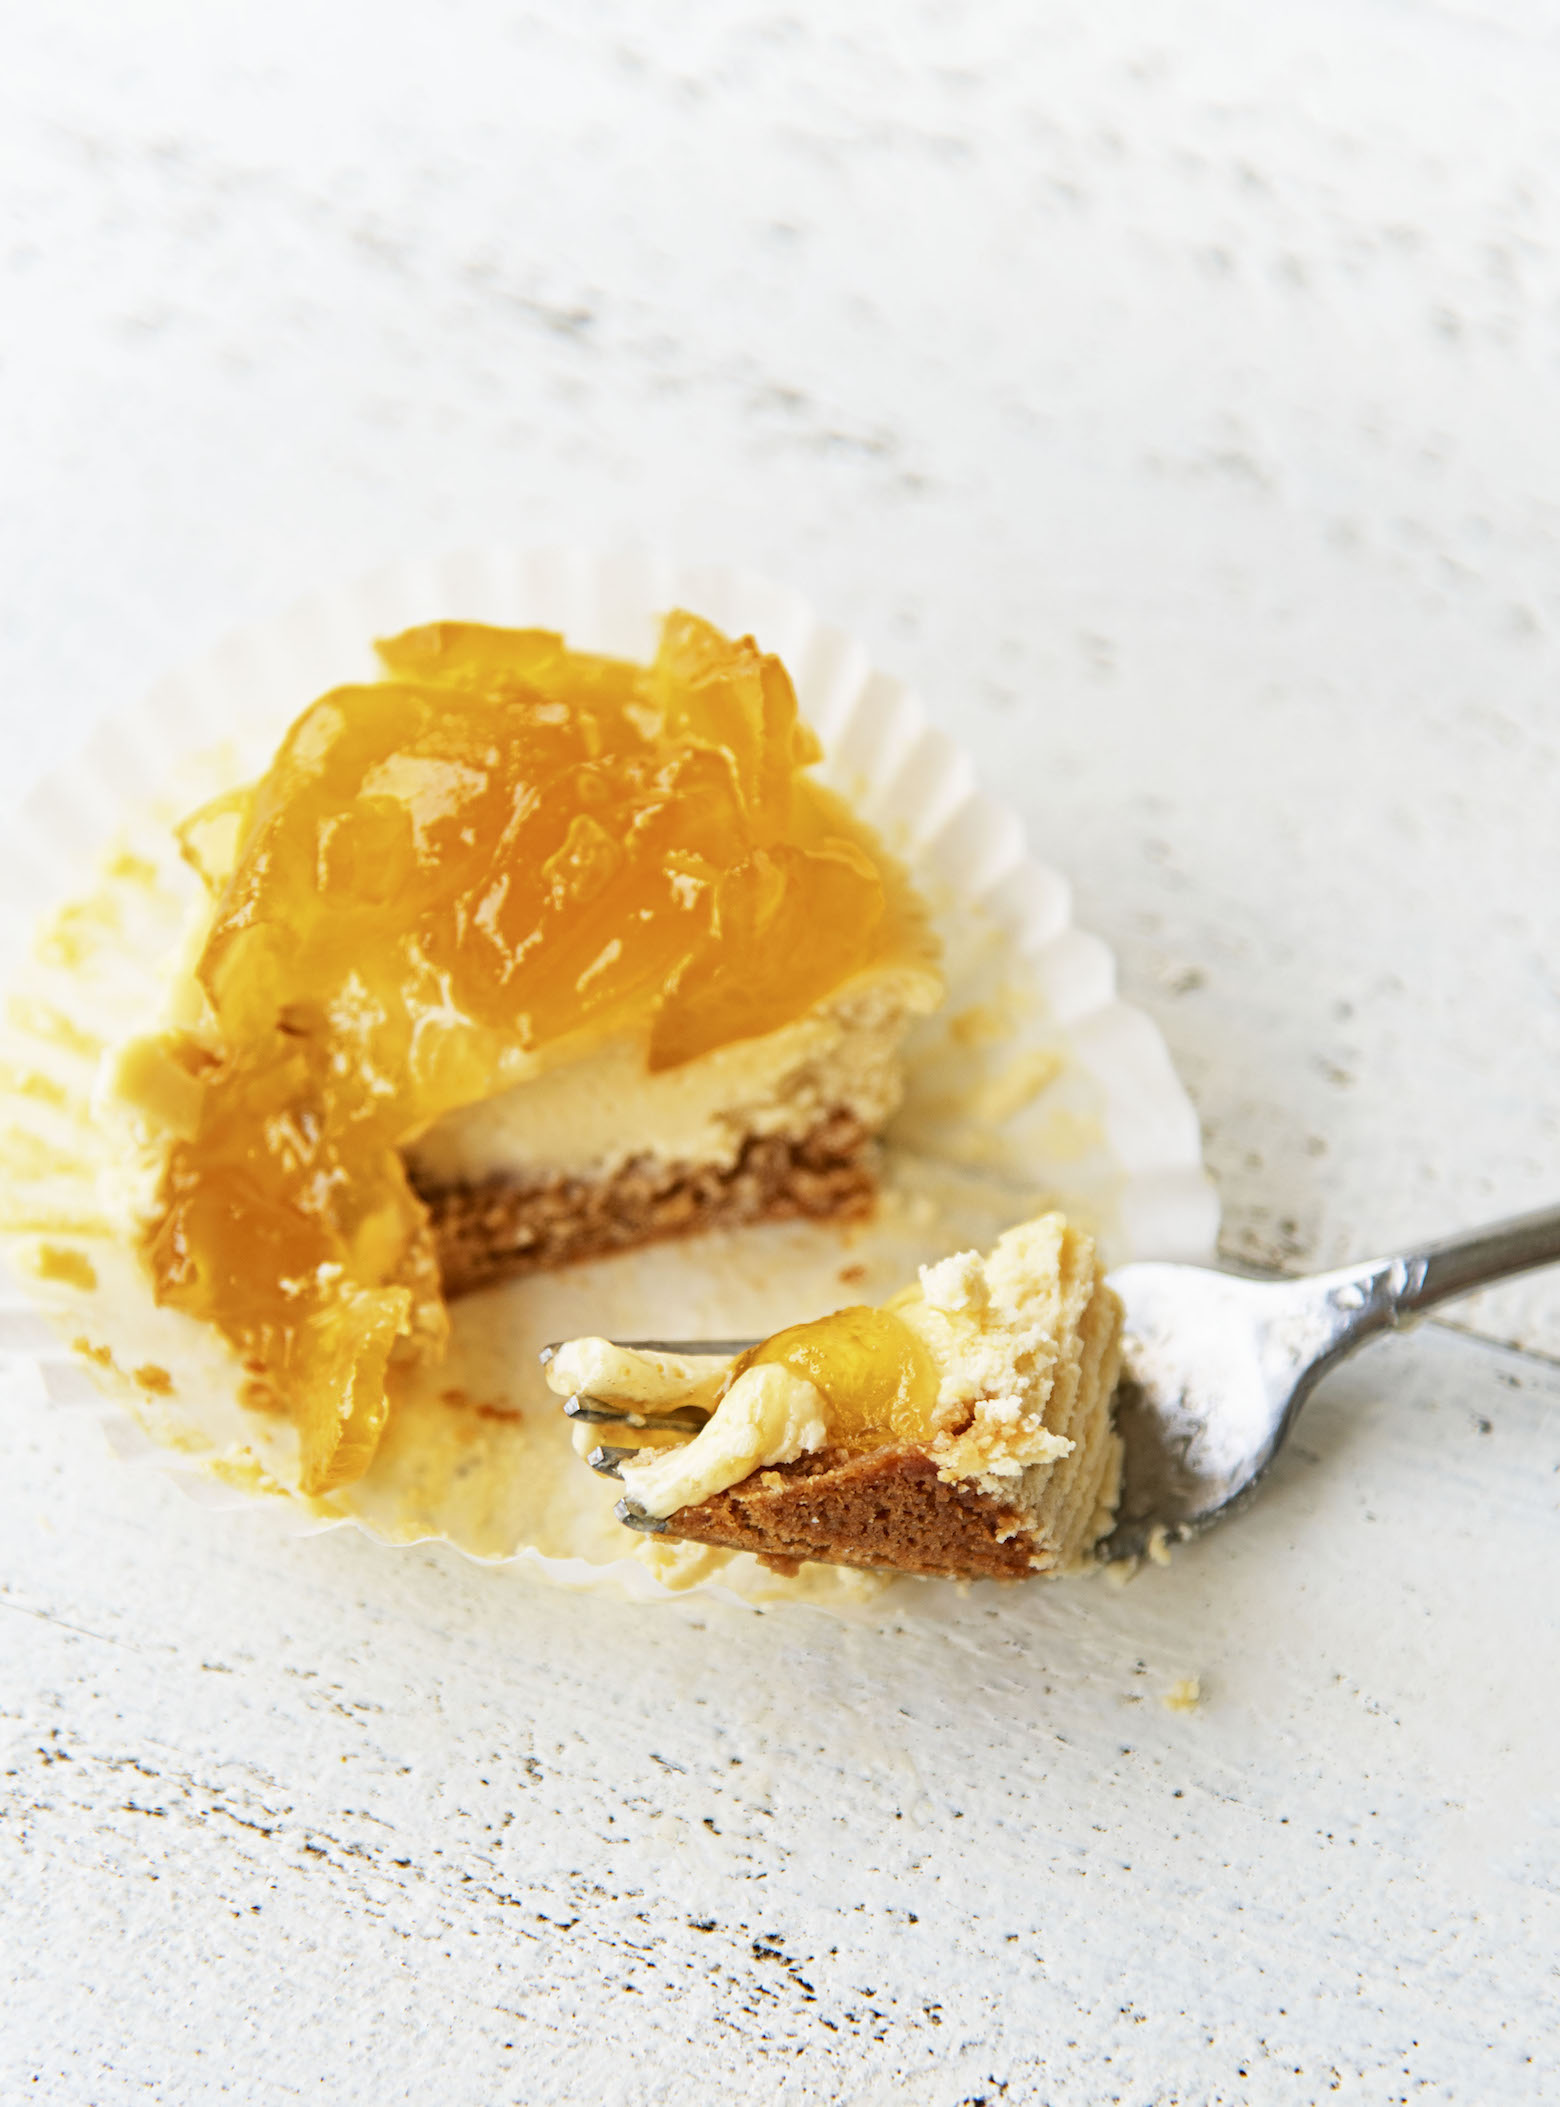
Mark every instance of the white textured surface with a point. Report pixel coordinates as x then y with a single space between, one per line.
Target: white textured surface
1169 395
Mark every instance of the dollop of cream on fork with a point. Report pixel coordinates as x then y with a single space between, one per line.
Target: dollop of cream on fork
769 1415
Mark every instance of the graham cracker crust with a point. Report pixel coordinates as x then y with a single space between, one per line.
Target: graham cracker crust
886 1510
508 1226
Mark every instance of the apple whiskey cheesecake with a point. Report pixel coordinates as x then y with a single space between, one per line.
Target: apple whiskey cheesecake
962 1429
514 956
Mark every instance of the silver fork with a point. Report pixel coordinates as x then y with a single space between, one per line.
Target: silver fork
586 1410
1215 1366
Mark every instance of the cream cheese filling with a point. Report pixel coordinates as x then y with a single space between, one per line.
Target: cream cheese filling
769 1415
632 1376
590 1115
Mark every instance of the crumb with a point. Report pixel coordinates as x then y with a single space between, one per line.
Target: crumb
157 1380
260 1396
1120 1571
459 1400
1159 1544
103 1355
1184 1696
73 1268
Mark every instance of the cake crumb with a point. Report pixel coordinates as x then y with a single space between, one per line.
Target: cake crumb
1158 1545
72 1268
1184 1696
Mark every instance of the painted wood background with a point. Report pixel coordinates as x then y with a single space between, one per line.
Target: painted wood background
1171 395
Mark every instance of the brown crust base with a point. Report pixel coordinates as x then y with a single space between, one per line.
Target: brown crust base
887 1510
505 1226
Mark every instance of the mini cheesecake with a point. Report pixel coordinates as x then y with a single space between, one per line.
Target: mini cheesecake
963 1429
515 956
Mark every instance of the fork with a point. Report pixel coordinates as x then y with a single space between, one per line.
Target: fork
1215 1367
586 1410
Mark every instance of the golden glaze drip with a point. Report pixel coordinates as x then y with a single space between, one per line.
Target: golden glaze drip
877 1380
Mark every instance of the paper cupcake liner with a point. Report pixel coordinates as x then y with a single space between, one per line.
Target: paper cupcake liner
1033 1085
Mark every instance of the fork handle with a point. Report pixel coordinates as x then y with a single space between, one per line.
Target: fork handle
1456 1265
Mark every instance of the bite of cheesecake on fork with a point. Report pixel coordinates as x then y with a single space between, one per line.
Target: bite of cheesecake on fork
962 1429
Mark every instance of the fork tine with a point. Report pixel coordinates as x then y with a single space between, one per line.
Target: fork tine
633 1516
693 1349
596 1411
608 1461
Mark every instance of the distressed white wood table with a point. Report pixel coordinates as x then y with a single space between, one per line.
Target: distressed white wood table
1172 395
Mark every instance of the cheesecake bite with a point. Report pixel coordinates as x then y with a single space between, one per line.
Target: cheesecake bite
963 1429
514 956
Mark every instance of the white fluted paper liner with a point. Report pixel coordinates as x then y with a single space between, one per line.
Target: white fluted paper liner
1033 1086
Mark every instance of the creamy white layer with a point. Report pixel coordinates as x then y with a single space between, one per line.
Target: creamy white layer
590 1115
768 1415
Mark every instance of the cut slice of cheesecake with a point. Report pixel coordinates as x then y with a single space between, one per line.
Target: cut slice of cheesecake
602 1151
514 956
963 1429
